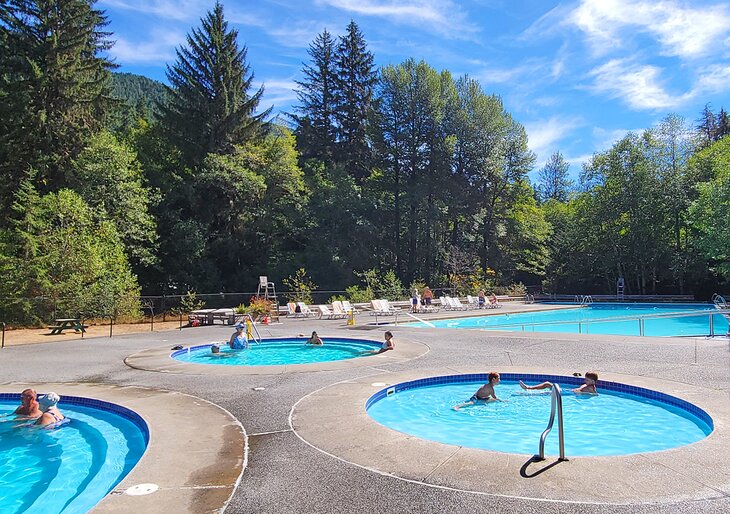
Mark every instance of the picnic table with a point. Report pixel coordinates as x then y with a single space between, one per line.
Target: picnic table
67 324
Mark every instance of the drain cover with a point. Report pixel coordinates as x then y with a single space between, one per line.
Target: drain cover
142 489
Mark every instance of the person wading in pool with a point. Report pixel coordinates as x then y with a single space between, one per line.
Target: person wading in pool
388 344
51 415
29 408
238 340
588 387
485 393
315 340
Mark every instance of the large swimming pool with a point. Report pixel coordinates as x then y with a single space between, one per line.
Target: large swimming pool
280 351
620 420
69 469
633 319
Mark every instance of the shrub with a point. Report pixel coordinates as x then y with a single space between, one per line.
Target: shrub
259 306
300 286
359 295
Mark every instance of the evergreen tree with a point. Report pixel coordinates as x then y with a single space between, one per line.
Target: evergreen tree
315 125
355 83
723 124
553 181
707 126
209 108
54 85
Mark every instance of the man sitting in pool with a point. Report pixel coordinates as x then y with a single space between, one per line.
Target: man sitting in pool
315 340
484 393
238 340
588 387
29 408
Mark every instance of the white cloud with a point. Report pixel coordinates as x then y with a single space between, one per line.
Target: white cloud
681 31
442 16
167 9
542 135
637 85
279 92
713 79
159 49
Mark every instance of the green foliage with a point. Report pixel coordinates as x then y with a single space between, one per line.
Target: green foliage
54 85
553 181
300 286
337 298
108 177
517 289
190 302
137 97
209 108
356 294
59 251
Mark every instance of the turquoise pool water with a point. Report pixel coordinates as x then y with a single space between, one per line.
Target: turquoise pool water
278 351
69 469
610 423
601 319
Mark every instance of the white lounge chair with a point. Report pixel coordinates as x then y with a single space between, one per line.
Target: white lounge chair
456 303
291 308
306 311
338 309
377 308
348 307
387 307
473 301
325 311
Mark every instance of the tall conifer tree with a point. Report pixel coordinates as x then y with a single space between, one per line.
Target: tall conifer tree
210 110
54 87
356 80
315 123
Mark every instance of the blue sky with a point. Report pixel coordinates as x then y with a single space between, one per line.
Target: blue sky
577 74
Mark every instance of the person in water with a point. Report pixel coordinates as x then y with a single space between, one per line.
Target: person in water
588 387
238 340
51 415
484 394
29 407
315 340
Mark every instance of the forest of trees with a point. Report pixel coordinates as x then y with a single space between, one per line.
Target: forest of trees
380 178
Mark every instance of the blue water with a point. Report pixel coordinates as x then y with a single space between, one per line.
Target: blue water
609 423
272 352
69 469
603 320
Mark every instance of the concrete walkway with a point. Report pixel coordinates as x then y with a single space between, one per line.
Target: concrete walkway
290 471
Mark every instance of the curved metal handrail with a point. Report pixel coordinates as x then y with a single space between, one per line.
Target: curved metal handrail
555 401
257 336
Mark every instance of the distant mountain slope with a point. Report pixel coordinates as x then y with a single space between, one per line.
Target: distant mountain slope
136 89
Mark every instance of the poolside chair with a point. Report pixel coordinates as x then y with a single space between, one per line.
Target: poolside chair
348 307
306 311
325 311
473 301
446 303
457 305
376 308
291 310
388 308
338 309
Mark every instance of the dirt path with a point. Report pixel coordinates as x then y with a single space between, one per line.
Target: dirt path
23 336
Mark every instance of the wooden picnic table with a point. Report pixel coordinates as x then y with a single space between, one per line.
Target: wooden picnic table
67 324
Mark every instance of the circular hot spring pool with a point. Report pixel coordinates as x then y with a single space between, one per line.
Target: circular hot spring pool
279 351
70 468
620 420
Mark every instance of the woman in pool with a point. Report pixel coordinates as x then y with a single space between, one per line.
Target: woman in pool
238 340
588 387
484 393
51 415
315 340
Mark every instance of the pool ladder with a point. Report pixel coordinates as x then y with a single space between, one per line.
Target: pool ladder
254 330
555 405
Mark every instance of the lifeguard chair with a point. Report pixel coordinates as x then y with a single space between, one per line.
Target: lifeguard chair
267 291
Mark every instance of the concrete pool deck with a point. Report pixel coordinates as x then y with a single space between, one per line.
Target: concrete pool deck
309 465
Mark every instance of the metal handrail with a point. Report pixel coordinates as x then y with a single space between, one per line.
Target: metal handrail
719 301
640 318
556 400
257 338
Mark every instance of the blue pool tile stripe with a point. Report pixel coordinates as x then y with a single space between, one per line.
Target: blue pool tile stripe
93 403
537 378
